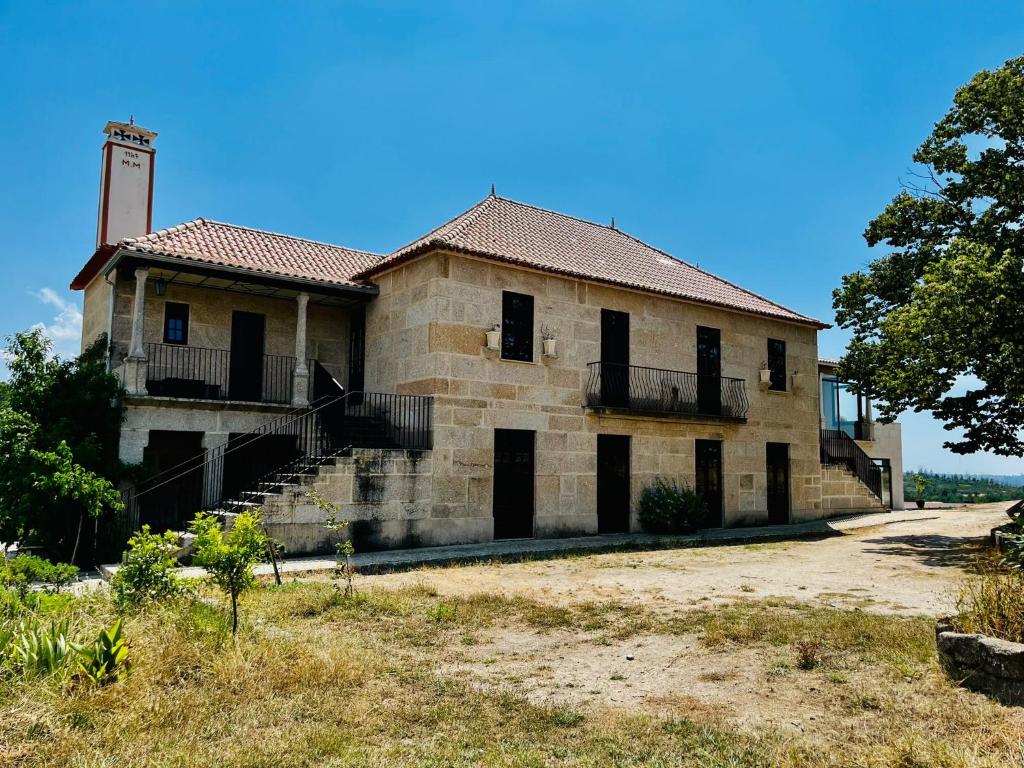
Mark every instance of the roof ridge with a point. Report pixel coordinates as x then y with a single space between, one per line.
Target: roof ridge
151 236
288 237
431 234
559 213
470 216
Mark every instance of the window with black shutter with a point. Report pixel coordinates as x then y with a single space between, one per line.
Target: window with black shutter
516 326
777 364
175 323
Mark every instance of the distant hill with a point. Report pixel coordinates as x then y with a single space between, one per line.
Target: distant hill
1014 480
972 489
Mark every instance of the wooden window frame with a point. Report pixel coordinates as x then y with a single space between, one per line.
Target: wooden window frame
516 342
776 350
185 324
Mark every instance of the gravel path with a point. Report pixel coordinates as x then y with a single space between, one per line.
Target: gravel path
903 567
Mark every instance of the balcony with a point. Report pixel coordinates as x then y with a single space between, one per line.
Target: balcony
658 392
215 374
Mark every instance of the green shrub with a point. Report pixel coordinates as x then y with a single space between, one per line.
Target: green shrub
229 557
147 569
668 507
104 660
38 649
24 570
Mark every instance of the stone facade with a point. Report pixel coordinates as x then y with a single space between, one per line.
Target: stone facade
425 335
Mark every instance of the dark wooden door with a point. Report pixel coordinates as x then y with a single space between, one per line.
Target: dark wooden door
777 465
709 481
613 483
709 370
246 374
173 506
614 358
513 483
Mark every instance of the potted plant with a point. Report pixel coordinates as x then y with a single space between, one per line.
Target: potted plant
494 337
547 335
920 485
766 374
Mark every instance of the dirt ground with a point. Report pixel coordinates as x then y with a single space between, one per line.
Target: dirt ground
902 568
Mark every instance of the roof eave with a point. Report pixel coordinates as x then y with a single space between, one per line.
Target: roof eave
434 245
92 267
123 252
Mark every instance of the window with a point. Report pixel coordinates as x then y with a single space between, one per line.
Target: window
777 364
175 323
516 326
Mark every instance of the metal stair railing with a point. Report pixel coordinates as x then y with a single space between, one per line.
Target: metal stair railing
167 501
230 476
837 447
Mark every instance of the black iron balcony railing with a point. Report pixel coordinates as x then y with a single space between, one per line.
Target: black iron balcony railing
174 370
660 391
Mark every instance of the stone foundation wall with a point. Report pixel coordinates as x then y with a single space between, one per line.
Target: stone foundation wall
384 494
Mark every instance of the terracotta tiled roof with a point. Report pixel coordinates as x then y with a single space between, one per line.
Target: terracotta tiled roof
213 242
517 233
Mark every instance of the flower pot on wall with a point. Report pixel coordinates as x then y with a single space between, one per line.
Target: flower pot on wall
493 339
766 376
798 380
550 347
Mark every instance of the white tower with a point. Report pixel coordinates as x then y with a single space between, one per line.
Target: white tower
126 183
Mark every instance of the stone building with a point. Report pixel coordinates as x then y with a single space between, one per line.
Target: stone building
516 372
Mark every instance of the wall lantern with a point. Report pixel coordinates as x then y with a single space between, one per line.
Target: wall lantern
161 286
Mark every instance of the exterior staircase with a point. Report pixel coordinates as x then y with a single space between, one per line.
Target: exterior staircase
253 469
850 480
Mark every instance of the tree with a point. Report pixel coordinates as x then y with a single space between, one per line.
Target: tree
59 426
944 309
229 556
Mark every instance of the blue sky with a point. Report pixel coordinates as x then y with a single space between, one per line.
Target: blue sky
756 139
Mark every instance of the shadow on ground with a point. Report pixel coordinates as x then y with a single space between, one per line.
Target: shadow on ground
934 550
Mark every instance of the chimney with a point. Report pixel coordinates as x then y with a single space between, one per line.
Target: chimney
126 183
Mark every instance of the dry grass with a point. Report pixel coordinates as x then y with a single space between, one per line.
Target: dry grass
315 679
992 602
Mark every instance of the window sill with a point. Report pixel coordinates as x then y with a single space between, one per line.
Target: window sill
495 354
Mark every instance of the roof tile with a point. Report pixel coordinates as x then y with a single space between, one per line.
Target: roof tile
518 233
213 242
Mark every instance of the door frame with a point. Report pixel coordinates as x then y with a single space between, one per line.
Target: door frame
257 364
721 473
709 392
615 373
789 483
533 482
617 440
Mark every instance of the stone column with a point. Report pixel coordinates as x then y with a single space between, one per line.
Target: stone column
300 379
134 368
